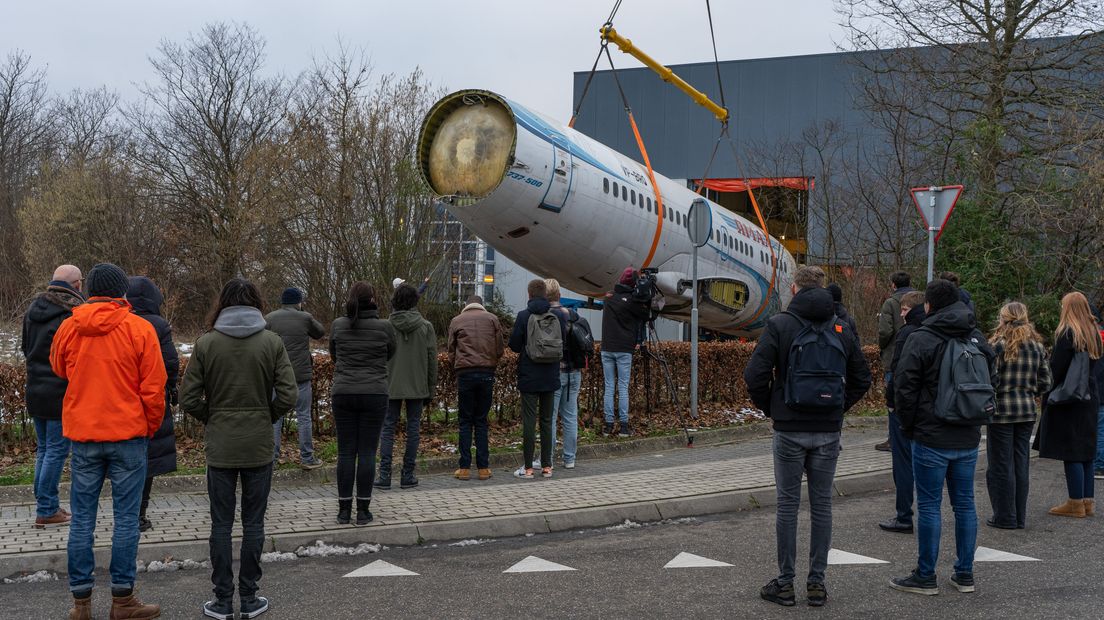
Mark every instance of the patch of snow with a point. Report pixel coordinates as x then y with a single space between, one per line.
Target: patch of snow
470 542
320 550
36 577
277 556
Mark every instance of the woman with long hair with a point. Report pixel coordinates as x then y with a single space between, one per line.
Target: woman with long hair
360 345
1067 431
1024 376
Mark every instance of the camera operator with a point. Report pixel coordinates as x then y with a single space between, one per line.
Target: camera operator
624 313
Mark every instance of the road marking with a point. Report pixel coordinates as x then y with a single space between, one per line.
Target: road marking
379 568
689 560
837 557
533 564
985 554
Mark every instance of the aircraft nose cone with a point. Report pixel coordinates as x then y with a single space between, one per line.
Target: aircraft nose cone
471 148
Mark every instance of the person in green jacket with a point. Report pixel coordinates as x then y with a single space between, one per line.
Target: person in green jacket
413 380
238 382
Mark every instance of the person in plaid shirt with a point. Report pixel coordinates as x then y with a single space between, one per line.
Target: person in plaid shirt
1024 376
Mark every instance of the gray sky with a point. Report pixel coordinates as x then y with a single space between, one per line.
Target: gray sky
525 50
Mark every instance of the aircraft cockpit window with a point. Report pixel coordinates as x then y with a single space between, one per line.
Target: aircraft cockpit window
605 185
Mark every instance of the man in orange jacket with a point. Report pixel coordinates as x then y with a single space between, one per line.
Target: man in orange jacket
114 403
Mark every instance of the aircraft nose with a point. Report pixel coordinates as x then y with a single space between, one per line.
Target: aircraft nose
467 144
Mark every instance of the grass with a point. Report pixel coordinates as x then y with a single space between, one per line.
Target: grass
18 474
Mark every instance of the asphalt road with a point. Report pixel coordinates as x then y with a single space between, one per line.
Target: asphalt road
619 573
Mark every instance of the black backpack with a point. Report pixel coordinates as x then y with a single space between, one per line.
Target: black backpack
965 395
580 342
817 370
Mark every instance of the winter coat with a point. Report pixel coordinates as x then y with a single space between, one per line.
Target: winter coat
622 320
889 321
848 320
1067 432
569 315
913 321
916 379
964 296
533 378
112 359
45 390
476 340
296 328
146 299
360 351
413 368
1020 382
766 371
230 384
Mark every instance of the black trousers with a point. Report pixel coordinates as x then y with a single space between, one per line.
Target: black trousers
358 418
222 485
533 406
1008 450
146 490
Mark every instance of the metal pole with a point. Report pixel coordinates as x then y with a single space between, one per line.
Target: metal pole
694 337
931 254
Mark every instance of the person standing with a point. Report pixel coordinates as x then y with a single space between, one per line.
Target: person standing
806 438
296 328
623 319
565 402
45 391
1098 466
146 299
841 310
361 344
476 343
114 403
412 374
238 382
1024 375
538 340
1067 431
889 322
963 294
941 450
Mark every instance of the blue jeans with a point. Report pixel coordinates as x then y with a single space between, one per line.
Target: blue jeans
50 454
413 436
302 422
901 448
617 367
1079 479
476 390
124 463
814 455
931 467
565 404
1099 463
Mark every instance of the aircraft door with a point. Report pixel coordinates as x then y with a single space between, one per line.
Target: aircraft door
559 186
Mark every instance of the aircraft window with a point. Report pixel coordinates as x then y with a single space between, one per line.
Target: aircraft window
624 193
632 194
615 189
649 205
605 185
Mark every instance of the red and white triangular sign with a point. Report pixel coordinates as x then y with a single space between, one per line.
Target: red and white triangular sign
935 205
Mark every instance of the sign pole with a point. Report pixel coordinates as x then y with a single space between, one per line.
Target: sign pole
694 336
931 254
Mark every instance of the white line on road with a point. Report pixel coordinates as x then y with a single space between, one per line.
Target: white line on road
533 564
985 554
689 560
837 557
379 568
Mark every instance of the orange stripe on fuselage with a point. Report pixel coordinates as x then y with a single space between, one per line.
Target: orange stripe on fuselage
655 187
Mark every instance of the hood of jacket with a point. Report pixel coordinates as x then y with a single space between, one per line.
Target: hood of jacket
240 321
99 317
538 305
915 316
144 296
956 320
406 322
841 312
55 302
622 288
901 292
813 304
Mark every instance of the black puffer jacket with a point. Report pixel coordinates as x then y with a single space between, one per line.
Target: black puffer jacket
622 320
766 371
146 300
916 379
533 377
914 320
44 389
360 350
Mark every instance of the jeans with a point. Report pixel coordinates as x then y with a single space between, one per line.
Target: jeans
1098 465
50 453
617 366
476 389
931 467
222 487
901 448
532 405
302 422
124 463
565 405
358 418
387 437
1008 452
1079 479
815 455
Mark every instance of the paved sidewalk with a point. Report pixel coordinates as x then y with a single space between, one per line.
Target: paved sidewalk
670 484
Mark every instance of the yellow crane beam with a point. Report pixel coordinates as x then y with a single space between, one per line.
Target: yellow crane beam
665 74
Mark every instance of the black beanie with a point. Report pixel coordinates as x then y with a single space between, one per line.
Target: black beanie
836 291
107 280
291 296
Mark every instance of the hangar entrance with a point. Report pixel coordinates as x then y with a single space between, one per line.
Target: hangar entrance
783 200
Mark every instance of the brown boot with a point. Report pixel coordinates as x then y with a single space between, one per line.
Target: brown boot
130 608
82 609
1071 508
1090 507
484 474
463 474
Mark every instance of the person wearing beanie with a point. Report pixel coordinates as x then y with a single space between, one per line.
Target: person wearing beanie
114 402
841 310
622 328
296 328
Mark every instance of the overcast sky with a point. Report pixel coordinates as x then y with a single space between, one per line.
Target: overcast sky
526 50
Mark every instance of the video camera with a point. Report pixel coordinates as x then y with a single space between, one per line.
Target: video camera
647 291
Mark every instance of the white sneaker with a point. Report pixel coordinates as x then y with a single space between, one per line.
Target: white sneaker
569 464
525 474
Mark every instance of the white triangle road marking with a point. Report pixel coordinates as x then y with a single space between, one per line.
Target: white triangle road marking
379 568
533 564
985 554
837 557
689 560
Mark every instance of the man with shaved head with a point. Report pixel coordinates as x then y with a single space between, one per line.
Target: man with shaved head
45 390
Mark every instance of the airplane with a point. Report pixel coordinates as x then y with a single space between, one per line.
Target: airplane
563 205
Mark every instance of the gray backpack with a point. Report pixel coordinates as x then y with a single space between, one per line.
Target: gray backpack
965 396
543 339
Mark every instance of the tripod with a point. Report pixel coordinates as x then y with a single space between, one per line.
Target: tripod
656 353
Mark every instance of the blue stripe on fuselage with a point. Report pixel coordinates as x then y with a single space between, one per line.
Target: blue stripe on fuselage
539 128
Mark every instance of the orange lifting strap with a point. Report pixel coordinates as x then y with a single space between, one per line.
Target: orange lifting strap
655 186
774 261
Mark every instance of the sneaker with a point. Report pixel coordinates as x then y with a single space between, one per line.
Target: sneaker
963 582
607 429
883 447
625 431
525 473
916 584
57 519
253 606
1099 474
569 464
778 593
144 524
546 472
894 525
817 594
311 464
221 610
382 483
408 482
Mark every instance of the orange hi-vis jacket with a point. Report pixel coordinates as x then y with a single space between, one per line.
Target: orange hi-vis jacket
112 360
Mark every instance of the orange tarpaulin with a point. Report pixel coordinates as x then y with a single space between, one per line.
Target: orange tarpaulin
741 185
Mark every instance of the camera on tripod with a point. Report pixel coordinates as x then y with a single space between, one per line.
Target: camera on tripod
647 291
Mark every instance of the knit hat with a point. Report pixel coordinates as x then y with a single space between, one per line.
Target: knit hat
397 282
628 276
836 291
107 280
291 296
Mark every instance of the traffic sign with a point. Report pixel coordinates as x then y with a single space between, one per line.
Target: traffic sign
935 205
700 222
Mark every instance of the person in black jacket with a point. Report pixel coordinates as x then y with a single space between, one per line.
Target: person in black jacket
940 451
146 300
296 328
841 311
45 390
805 442
1098 463
623 319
